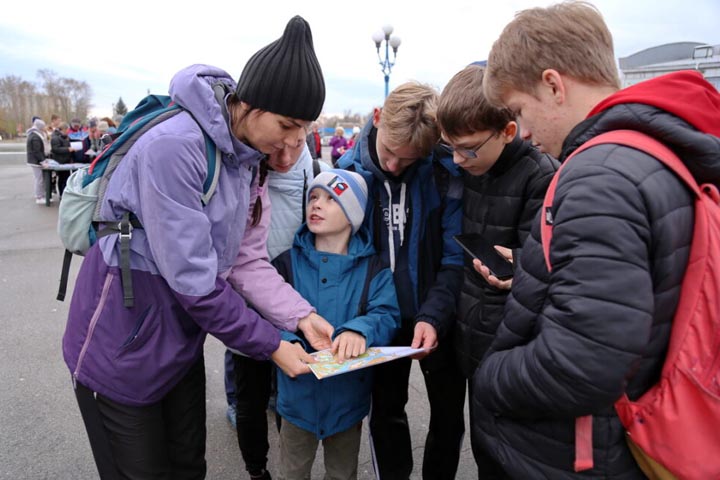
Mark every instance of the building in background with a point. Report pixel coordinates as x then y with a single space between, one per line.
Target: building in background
671 57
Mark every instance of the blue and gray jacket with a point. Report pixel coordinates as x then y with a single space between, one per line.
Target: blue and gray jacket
423 210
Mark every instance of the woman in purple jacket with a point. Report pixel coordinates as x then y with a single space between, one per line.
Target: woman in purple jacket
339 144
138 372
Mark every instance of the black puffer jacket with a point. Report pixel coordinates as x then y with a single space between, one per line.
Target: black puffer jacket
60 146
501 205
35 148
573 341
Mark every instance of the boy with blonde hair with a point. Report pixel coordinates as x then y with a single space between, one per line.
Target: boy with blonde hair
414 209
573 342
505 179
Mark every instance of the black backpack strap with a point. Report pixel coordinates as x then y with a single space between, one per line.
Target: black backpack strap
316 167
62 289
375 265
442 178
283 265
316 172
125 237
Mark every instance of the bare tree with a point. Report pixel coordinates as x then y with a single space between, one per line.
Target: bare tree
80 94
17 101
57 93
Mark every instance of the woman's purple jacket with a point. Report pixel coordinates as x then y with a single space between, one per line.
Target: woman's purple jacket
180 259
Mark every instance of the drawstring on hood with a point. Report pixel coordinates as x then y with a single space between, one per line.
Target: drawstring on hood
390 221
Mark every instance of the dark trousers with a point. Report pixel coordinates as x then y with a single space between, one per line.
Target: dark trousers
391 445
165 440
62 178
252 393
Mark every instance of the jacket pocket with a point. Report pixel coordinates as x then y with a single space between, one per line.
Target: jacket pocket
139 335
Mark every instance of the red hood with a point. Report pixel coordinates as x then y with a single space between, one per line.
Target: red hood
685 94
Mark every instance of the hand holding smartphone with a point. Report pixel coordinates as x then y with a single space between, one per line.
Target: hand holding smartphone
478 247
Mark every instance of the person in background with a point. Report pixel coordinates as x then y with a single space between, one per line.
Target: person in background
329 263
91 143
112 126
248 381
339 144
76 133
54 122
104 138
414 210
37 150
314 142
150 422
594 323
118 120
62 152
504 180
353 138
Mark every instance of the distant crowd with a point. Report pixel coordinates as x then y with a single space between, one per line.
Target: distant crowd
64 143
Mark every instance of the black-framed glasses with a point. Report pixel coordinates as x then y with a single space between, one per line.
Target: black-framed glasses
467 153
470 153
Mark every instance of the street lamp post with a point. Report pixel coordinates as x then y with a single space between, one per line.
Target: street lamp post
390 41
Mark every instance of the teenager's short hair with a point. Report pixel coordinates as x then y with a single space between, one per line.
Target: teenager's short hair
570 37
463 109
408 117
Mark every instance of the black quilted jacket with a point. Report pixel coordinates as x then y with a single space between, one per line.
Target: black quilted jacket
573 341
501 205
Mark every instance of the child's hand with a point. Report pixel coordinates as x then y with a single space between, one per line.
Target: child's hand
425 336
348 345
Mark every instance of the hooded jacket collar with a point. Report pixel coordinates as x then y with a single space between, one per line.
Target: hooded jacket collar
192 89
677 109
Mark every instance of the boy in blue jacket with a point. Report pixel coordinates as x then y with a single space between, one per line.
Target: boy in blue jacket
331 260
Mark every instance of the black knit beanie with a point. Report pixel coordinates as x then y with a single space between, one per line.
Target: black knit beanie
285 77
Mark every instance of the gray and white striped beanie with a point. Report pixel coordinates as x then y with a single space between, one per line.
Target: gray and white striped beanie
348 189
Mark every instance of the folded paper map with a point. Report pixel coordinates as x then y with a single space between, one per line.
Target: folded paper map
326 366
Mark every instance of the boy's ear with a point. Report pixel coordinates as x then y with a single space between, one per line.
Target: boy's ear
376 116
552 82
509 132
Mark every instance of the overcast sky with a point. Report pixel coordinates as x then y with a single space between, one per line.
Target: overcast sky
125 48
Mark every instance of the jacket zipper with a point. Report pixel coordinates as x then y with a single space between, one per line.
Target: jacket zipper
91 328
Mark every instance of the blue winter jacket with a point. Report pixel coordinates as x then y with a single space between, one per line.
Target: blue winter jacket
333 284
435 262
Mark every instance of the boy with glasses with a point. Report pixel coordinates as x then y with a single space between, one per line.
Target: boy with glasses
504 179
414 209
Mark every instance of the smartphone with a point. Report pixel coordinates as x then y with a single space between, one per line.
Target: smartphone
477 247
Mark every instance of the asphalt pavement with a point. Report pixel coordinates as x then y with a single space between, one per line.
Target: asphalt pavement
41 432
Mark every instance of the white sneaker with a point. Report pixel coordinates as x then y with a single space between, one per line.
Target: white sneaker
40 201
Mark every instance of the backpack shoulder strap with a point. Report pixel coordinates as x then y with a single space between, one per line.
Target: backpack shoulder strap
375 265
643 143
628 138
214 159
283 265
442 178
316 167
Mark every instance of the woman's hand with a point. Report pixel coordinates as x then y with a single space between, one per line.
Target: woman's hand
318 331
292 359
348 345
